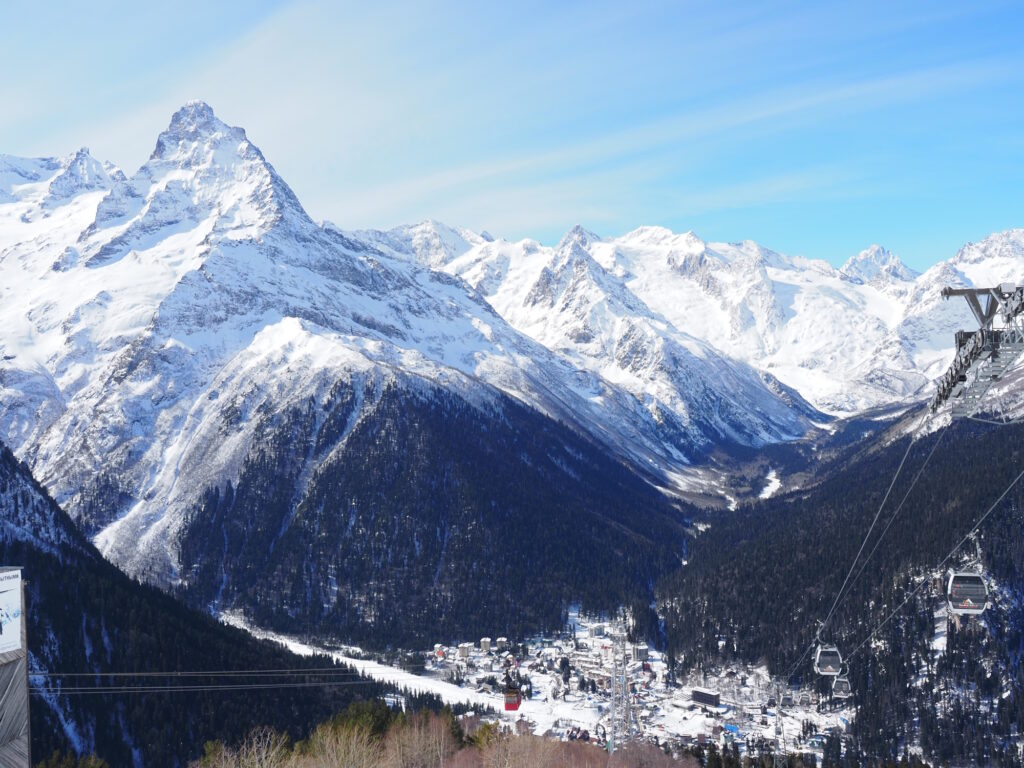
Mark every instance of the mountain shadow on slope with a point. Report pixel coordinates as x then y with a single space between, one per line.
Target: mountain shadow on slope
428 519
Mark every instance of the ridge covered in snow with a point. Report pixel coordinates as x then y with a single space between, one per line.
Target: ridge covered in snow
877 263
149 320
872 333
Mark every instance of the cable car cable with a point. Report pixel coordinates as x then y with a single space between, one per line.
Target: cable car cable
892 519
881 506
800 661
839 595
952 552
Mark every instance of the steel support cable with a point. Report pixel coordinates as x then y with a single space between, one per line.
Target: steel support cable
892 519
874 522
799 661
946 559
867 536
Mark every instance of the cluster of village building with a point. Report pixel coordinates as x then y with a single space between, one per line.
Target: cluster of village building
568 688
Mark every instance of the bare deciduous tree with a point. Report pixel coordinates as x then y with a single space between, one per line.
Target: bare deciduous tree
333 746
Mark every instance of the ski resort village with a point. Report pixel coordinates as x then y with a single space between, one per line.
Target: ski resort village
590 683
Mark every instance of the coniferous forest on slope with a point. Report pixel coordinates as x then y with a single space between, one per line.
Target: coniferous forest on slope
760 578
86 616
432 520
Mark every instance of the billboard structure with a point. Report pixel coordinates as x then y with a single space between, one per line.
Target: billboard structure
10 610
14 728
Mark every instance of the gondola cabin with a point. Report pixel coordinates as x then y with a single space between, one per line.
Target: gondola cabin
827 660
841 688
966 593
513 698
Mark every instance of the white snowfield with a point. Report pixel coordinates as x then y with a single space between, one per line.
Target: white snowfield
148 323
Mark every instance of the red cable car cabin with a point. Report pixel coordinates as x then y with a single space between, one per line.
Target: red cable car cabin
513 698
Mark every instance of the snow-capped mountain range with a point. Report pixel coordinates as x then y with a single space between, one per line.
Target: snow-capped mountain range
871 333
145 322
147 319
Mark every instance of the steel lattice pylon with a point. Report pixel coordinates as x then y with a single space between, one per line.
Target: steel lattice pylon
622 728
984 355
780 758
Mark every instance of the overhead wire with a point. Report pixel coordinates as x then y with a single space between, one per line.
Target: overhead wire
946 559
121 689
867 536
892 519
283 678
847 586
796 666
874 522
206 673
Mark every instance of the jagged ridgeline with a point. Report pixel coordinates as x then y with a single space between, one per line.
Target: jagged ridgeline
270 413
433 518
86 616
961 695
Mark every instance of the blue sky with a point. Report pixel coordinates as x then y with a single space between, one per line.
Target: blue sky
813 128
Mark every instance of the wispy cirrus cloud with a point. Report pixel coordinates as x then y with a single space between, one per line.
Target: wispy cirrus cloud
695 115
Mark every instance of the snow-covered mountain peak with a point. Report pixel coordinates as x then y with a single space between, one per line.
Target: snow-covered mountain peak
577 236
194 122
208 173
429 242
196 140
81 172
574 280
1006 245
877 263
662 237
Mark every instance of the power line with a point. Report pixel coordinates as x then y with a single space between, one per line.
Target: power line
205 673
112 689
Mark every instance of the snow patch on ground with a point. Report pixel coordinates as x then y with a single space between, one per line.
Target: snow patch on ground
772 485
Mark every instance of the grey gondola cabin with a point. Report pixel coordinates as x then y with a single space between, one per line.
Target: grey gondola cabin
827 660
841 688
966 593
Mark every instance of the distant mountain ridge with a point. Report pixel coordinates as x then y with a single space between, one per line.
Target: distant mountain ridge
871 333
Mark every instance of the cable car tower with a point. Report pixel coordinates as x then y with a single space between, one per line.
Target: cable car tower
983 356
780 755
622 726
